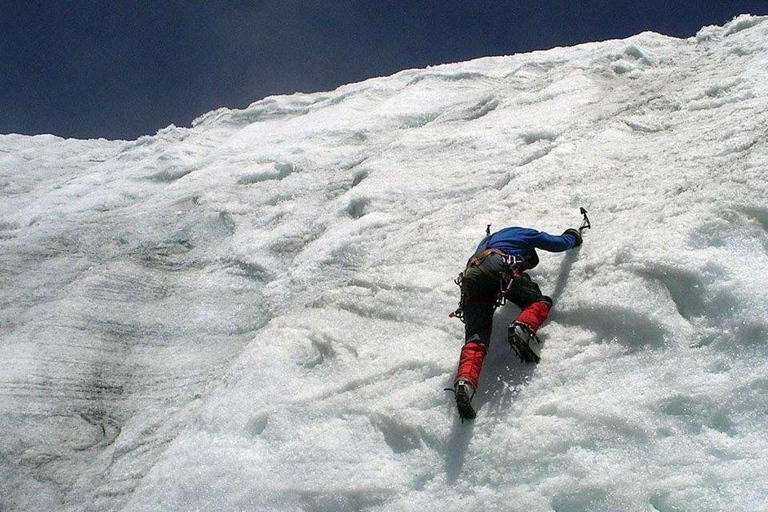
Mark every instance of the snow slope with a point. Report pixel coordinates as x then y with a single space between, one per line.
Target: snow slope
251 313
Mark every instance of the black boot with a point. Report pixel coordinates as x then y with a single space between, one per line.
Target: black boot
464 393
524 342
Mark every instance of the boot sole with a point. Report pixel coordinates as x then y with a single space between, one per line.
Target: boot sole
466 411
523 349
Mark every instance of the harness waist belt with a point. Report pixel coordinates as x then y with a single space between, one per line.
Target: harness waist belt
478 258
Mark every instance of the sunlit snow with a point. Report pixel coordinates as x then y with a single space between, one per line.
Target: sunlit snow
252 313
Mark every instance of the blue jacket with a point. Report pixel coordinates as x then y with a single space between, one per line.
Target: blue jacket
523 242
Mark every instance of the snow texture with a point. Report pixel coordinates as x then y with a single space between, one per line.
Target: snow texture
251 313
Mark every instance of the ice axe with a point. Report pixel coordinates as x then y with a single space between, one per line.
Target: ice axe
585 223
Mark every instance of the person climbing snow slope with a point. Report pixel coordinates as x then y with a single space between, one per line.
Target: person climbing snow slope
496 272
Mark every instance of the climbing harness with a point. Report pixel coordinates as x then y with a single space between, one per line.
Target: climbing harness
512 267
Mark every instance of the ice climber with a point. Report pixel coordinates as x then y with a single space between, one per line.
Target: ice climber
496 270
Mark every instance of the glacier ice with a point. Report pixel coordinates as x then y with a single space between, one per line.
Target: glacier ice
251 313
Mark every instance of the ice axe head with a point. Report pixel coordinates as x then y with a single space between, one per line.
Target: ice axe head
585 224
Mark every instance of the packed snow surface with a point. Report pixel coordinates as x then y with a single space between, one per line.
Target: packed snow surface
251 313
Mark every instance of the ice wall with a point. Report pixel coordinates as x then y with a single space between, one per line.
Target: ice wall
251 313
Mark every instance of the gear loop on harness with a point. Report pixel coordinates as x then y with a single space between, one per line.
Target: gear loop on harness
459 312
513 267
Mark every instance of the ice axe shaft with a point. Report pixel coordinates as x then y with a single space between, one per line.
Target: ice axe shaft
585 224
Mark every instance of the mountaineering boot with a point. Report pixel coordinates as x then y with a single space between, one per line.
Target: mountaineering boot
524 342
468 376
464 393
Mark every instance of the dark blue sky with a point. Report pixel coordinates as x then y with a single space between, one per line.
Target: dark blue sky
121 69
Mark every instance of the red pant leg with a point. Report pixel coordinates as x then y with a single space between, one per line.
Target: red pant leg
534 315
471 362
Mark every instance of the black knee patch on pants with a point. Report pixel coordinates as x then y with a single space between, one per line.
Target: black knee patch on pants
523 292
548 300
480 291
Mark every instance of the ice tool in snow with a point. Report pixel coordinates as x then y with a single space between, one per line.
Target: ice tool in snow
585 223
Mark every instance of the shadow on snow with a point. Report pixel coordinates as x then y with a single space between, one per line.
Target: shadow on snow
502 377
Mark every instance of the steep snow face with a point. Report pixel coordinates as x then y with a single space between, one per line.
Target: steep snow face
251 314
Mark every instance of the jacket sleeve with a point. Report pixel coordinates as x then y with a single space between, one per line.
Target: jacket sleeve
553 243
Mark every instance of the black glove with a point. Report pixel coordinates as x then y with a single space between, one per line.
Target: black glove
576 234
